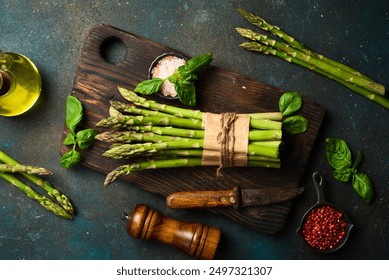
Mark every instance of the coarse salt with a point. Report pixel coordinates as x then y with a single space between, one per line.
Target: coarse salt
164 68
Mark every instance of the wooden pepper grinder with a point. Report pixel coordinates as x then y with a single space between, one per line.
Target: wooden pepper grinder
195 239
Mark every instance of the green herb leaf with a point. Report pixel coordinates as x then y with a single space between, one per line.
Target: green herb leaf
70 159
86 137
338 153
343 175
295 124
196 64
149 87
189 77
358 160
73 112
290 102
70 139
175 77
363 186
186 92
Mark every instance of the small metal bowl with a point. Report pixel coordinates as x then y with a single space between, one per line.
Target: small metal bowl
318 182
154 63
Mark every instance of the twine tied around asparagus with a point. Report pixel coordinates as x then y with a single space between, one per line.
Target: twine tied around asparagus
226 139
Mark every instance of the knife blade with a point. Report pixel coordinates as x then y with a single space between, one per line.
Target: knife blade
236 197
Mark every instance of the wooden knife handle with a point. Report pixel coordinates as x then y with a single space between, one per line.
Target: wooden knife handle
196 239
203 199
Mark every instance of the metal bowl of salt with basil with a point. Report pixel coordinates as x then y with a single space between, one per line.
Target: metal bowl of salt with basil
156 62
325 228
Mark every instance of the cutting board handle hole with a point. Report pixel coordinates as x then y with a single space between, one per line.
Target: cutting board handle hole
113 50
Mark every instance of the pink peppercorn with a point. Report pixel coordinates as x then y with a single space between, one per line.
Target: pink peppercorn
324 227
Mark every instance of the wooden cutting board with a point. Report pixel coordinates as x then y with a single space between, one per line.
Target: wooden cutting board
96 83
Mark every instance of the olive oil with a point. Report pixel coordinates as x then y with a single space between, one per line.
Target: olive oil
20 84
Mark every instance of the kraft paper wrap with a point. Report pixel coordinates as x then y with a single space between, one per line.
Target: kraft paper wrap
225 139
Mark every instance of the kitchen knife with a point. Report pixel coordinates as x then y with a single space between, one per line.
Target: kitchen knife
236 197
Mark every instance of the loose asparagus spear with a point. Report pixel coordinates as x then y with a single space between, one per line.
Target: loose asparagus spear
277 31
42 200
314 61
258 47
297 53
51 191
15 168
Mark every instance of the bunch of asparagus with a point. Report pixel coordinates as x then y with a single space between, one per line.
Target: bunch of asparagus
155 135
8 168
294 52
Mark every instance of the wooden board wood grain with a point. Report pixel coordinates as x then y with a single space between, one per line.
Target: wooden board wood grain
96 83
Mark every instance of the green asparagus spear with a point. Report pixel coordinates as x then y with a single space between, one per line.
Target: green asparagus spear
295 52
129 120
164 136
314 61
51 191
129 108
126 108
187 113
184 153
258 47
42 200
168 163
173 110
119 151
275 30
131 136
16 168
153 164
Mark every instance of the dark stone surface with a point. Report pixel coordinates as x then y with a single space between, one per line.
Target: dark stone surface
51 33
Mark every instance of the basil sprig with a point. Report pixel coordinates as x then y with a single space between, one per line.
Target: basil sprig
81 139
340 158
183 80
290 103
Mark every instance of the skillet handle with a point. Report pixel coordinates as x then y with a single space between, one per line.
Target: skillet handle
318 181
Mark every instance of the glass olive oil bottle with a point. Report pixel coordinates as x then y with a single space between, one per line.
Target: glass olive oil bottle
20 84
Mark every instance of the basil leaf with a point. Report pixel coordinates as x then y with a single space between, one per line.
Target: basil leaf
149 87
338 153
358 160
363 186
70 139
289 103
70 159
295 124
86 137
186 92
343 175
175 77
196 64
73 112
